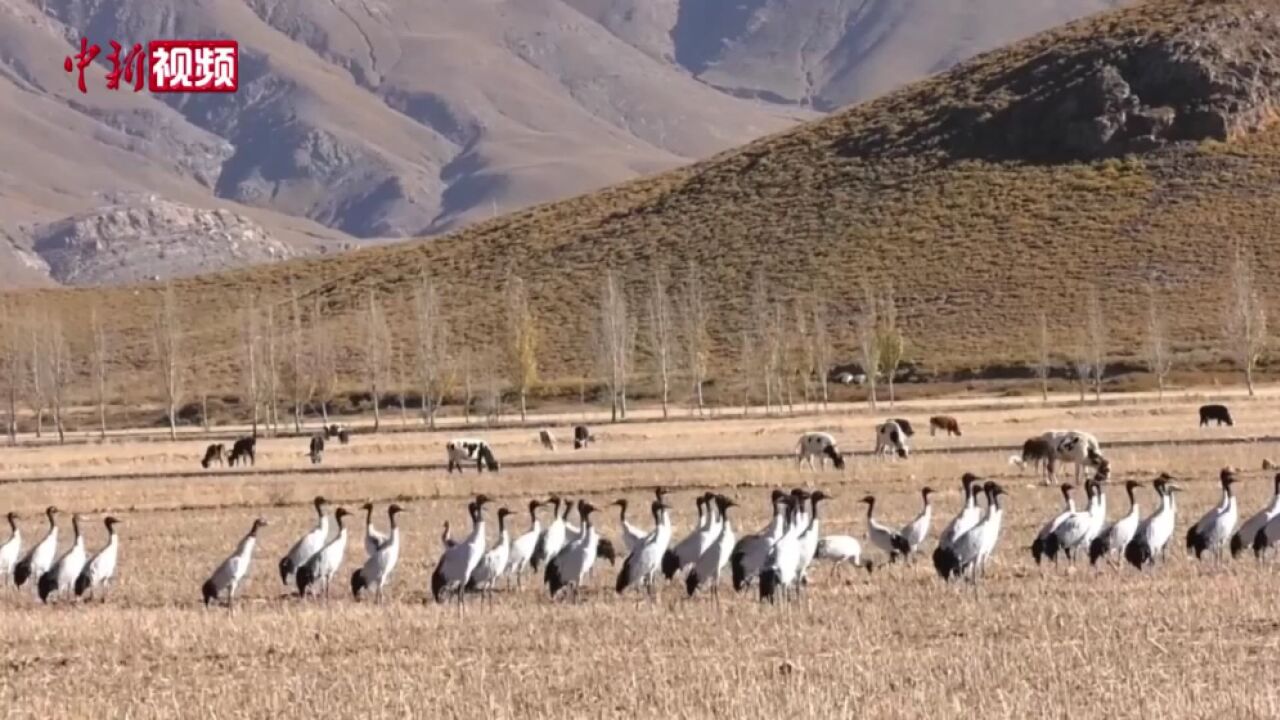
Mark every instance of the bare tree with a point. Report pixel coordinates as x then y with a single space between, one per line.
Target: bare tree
1042 355
249 344
271 369
324 361
12 368
746 371
868 327
375 354
889 338
167 338
299 375
522 336
1246 315
36 390
1080 360
693 332
98 367
615 338
467 361
58 369
1159 357
433 362
822 351
1097 340
759 351
661 334
799 352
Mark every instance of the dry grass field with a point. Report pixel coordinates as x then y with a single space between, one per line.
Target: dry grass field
1184 640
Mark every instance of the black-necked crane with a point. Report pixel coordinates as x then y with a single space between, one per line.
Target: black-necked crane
686 552
319 569
991 528
752 551
1154 533
965 552
711 565
40 558
1258 525
631 535
1215 528
523 546
100 571
230 574
1042 538
307 545
458 562
1072 532
553 538
916 531
782 573
882 537
969 515
61 577
373 538
494 562
446 537
11 550
1115 537
569 568
377 569
643 564
810 538
842 550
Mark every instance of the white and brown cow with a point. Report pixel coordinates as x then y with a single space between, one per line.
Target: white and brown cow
462 450
891 440
818 445
1076 447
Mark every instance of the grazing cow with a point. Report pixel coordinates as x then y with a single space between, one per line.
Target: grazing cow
582 437
945 423
890 439
820 445
1035 452
1078 448
905 425
338 431
467 449
1217 413
216 453
547 439
243 449
317 448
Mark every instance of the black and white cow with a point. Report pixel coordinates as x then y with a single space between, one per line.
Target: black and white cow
215 453
890 439
243 449
905 425
818 445
582 437
547 439
317 448
470 449
1215 413
337 431
1076 447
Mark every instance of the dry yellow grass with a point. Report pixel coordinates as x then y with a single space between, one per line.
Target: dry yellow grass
1187 640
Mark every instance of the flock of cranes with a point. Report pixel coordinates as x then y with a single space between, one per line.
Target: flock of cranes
774 562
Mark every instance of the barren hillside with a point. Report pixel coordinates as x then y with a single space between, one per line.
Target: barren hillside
361 119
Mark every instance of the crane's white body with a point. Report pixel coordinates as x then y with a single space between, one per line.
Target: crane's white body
917 530
645 561
753 550
840 549
229 576
458 562
711 565
379 566
306 546
1217 525
523 546
329 560
10 551
963 522
572 564
101 570
45 552
494 562
373 538
68 567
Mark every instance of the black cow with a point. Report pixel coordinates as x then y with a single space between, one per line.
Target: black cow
244 448
582 437
906 426
466 449
317 448
337 431
1218 413
216 453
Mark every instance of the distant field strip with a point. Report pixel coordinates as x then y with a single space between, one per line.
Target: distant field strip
589 462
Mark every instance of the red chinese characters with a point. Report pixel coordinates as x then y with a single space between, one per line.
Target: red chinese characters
83 59
131 68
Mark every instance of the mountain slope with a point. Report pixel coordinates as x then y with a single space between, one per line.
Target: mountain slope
1113 152
392 118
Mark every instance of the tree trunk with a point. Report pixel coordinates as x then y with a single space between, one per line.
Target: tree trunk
1248 377
871 382
1044 388
1160 387
13 414
666 393
40 421
523 405
701 403
891 397
826 398
377 409
204 410
102 417
173 421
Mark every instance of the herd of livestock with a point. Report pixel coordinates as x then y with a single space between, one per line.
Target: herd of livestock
776 560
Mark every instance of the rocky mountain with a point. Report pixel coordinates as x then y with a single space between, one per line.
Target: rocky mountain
375 119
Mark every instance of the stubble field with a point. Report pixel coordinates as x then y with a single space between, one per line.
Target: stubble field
1185 640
